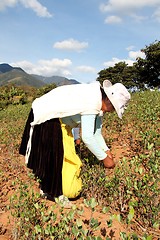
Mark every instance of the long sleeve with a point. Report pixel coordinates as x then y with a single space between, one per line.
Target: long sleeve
92 137
98 133
76 133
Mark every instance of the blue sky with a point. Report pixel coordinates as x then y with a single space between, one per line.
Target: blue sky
75 38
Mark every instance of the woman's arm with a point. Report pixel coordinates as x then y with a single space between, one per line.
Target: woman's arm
98 133
108 161
88 126
76 135
88 136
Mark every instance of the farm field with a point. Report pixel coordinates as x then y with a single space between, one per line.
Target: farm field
119 204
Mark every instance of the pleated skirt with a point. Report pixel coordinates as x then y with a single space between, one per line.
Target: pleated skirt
46 155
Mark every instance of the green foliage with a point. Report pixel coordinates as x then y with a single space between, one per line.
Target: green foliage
143 72
121 72
130 194
35 220
11 95
17 77
14 95
148 69
13 120
133 188
41 91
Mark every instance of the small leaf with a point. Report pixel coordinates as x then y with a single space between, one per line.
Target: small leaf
38 229
93 203
109 223
36 205
140 170
150 146
105 209
79 222
131 214
156 225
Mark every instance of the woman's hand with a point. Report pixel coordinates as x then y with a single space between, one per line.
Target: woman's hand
109 154
78 141
108 161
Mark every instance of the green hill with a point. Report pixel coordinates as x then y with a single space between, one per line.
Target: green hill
58 80
19 78
4 67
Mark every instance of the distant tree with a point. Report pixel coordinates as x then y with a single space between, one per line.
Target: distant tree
121 72
11 94
43 90
144 72
148 69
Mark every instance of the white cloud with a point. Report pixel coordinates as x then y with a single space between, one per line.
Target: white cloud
7 3
127 5
35 5
136 54
117 60
113 19
86 69
130 8
25 65
156 14
132 56
51 67
71 44
138 18
58 67
129 48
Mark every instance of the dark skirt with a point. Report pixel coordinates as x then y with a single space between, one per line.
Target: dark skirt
46 156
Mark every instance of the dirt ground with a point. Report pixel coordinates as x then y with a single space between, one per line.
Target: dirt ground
12 165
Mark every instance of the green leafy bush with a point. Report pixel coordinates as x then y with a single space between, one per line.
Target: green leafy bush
130 193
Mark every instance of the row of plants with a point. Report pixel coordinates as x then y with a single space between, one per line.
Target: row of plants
130 194
14 95
35 220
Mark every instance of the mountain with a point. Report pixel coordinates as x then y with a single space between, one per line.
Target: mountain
68 82
58 80
18 77
4 67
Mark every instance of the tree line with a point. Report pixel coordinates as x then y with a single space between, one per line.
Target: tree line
145 72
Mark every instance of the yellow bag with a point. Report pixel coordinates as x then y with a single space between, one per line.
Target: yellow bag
71 182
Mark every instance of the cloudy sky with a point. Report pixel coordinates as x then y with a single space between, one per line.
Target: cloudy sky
75 38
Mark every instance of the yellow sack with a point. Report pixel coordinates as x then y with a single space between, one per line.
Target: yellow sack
71 182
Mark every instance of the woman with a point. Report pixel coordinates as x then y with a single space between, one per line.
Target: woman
48 143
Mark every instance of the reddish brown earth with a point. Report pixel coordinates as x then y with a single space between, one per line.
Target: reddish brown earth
12 165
